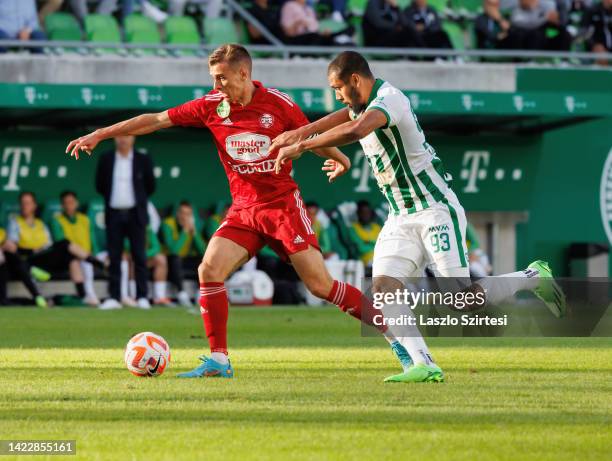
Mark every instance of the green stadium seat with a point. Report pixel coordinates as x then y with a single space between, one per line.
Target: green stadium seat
8 209
219 30
140 29
102 28
63 26
456 35
95 213
357 7
472 7
182 30
51 207
331 25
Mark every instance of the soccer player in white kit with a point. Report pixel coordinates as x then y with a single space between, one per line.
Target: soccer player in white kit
426 225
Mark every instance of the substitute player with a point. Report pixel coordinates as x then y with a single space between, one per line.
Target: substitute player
243 117
426 224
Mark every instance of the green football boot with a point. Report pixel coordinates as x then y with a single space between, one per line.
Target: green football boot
419 374
548 290
41 301
39 274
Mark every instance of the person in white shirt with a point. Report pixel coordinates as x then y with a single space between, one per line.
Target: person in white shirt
125 179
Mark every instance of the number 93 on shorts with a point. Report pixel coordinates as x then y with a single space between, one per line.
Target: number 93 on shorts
433 237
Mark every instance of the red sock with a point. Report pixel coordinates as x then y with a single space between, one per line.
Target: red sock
214 307
350 299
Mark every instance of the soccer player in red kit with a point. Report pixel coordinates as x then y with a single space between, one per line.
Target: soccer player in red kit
243 117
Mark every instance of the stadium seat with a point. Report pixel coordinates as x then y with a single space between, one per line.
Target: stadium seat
331 25
219 30
467 7
456 35
140 29
95 213
104 29
182 30
357 7
51 207
63 26
8 209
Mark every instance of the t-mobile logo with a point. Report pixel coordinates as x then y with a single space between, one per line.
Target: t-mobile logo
474 168
15 162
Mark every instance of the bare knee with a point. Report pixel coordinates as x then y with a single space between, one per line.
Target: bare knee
208 272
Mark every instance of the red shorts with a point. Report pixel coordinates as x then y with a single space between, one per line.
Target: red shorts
283 224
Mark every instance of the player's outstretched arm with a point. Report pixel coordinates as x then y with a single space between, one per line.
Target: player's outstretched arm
320 126
143 124
347 133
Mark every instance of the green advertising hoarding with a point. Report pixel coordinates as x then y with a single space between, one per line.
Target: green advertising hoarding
312 100
490 173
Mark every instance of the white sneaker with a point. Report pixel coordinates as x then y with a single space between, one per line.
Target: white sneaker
337 16
183 299
92 301
110 304
143 303
129 302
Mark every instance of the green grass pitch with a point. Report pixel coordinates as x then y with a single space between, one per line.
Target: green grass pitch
307 386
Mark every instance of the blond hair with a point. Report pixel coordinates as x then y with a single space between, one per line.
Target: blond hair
232 53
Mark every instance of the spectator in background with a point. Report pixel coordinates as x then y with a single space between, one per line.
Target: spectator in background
321 232
47 7
125 179
490 27
364 232
425 22
156 261
19 21
30 251
215 220
145 7
301 27
3 271
184 247
74 226
478 259
598 22
384 25
269 17
81 8
536 25
210 8
338 8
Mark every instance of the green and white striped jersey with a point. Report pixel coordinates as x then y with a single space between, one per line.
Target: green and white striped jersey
406 167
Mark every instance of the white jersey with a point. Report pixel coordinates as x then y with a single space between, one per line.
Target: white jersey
406 167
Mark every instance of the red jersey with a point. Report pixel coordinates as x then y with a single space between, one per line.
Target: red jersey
243 138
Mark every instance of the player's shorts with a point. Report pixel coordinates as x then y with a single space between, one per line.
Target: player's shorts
283 224
434 238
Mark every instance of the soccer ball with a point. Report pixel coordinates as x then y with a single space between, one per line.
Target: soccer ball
147 354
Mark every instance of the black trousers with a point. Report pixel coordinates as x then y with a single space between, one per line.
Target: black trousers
122 224
56 258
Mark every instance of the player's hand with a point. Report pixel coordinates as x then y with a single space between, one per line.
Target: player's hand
334 169
286 139
85 143
285 154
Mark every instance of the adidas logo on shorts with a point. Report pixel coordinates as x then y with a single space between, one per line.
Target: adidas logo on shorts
298 239
227 121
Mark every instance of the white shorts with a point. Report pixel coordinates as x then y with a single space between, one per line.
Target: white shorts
434 238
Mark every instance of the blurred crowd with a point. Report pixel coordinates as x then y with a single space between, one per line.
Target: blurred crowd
560 25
